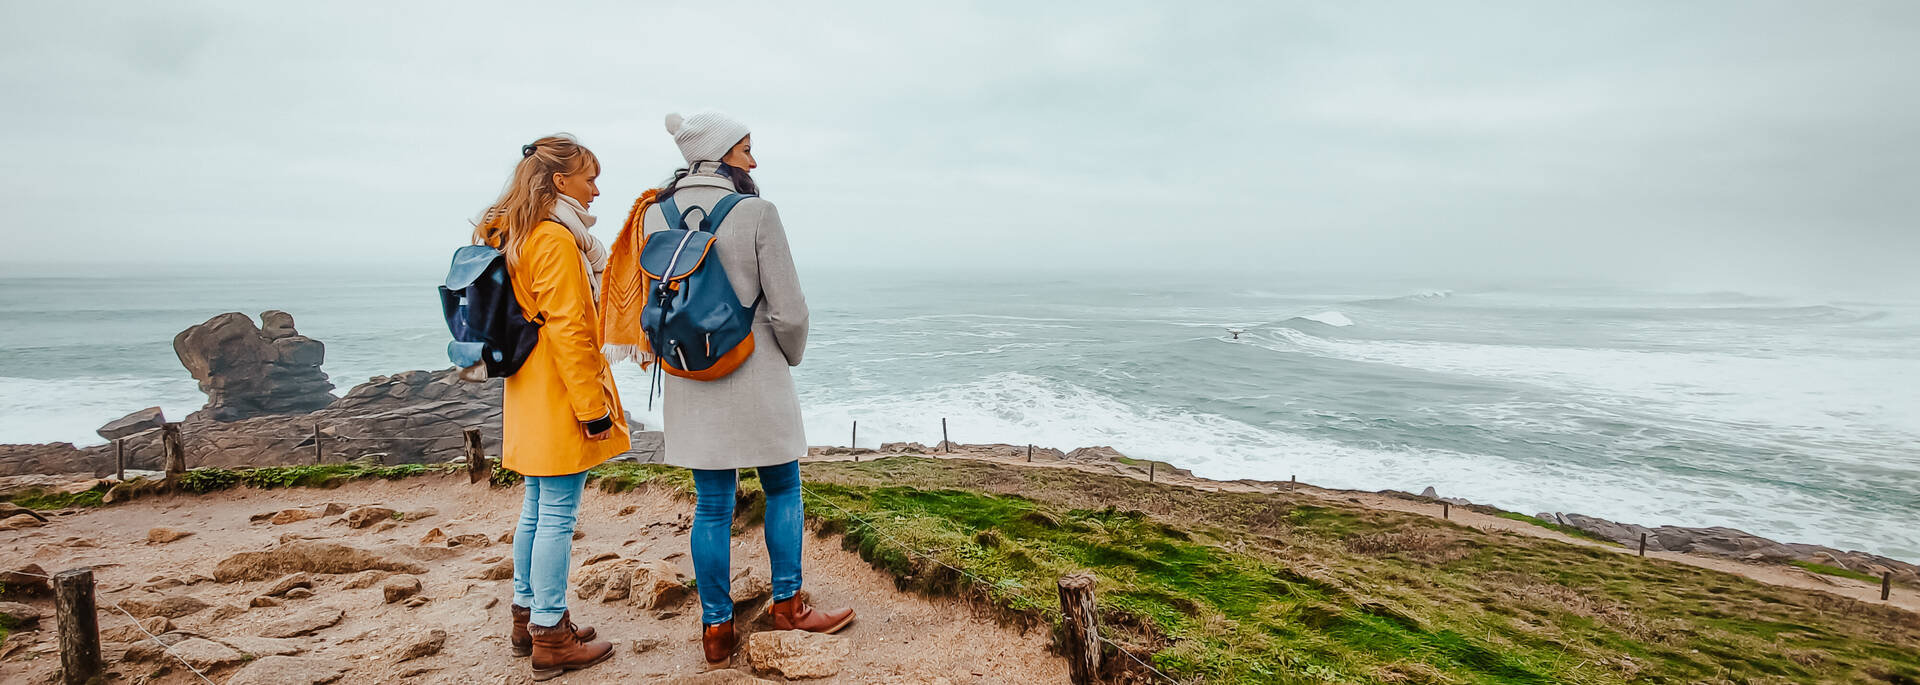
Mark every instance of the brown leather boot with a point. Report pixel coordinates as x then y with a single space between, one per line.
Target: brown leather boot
718 641
559 649
794 614
523 642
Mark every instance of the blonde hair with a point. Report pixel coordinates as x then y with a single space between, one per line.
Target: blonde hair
529 196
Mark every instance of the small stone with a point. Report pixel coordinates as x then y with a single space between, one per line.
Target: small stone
289 582
133 632
299 593
160 536
433 536
399 588
334 509
21 616
19 521
205 654
473 540
264 601
579 534
750 587
797 654
367 516
427 645
644 645
665 614
597 558
290 670
417 601
505 538
256 647
628 510
725 676
170 606
304 623
417 514
226 611
286 516
384 527
499 571
367 579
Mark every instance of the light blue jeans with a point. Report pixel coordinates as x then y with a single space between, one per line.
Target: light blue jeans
713 535
543 545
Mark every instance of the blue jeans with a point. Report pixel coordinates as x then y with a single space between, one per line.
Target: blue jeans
543 545
713 535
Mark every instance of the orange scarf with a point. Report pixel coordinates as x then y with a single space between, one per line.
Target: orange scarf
623 288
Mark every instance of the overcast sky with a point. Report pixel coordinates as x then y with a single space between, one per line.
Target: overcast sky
1692 144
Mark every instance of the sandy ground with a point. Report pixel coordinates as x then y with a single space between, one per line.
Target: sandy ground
898 637
1772 574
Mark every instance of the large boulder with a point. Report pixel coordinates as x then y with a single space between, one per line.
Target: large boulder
247 371
137 422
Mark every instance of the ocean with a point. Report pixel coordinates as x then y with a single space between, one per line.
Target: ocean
1793 418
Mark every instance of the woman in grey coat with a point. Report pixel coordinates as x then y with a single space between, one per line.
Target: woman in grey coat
751 417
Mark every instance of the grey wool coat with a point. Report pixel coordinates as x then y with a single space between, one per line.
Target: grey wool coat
750 417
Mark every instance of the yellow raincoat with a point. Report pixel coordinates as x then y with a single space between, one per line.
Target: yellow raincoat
566 381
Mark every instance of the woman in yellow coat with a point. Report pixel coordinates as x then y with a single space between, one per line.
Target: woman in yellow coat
562 415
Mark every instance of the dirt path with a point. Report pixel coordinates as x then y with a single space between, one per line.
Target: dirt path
1771 574
898 638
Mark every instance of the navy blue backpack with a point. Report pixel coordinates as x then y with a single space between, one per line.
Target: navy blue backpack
491 336
696 327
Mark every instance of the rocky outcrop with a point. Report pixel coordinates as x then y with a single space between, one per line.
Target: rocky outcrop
1733 543
52 457
310 556
249 370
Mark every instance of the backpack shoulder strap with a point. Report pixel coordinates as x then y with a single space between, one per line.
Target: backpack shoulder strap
671 212
711 223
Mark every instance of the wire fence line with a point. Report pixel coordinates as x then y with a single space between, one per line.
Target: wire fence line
155 639
983 582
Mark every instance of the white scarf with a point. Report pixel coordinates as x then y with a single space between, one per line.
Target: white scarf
571 214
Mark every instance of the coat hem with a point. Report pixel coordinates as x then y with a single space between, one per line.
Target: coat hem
752 463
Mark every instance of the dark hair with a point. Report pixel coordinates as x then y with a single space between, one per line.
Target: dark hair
742 181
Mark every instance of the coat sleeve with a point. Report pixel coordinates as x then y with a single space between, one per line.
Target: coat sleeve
558 283
780 284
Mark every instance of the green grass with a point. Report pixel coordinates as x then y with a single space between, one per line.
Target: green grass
1261 588
1566 530
46 501
1835 571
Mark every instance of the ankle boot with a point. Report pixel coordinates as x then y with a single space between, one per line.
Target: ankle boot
559 649
718 641
794 614
523 642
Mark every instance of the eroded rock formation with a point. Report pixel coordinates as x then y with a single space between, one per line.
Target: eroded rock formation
249 370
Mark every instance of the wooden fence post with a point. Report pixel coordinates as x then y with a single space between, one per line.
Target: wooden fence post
478 468
119 460
176 454
1446 510
319 455
1082 627
945 444
1886 585
1293 483
855 440
1152 466
79 626
1029 452
1643 544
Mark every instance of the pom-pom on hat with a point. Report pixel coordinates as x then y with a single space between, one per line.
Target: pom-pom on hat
705 136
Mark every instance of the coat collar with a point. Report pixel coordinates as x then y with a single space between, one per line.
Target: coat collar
708 180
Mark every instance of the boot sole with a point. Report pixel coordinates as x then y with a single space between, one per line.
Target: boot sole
551 673
835 629
519 651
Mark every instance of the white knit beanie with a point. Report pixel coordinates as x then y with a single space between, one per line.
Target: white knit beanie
705 136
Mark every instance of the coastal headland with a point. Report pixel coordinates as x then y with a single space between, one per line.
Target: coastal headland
1197 580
